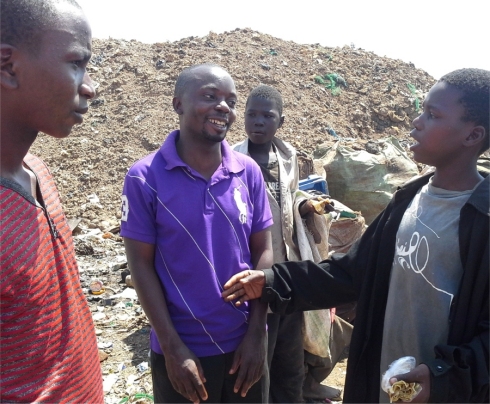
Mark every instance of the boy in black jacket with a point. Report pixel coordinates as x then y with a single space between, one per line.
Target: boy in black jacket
420 273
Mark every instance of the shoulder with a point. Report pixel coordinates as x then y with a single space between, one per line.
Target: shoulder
145 165
241 146
248 163
481 196
285 148
36 164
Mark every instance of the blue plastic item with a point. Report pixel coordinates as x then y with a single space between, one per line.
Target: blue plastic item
315 182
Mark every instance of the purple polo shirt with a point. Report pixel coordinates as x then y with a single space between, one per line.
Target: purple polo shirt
201 231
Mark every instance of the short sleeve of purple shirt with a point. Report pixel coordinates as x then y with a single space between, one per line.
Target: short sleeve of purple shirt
137 216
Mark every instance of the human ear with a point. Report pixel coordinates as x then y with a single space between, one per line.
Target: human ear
177 104
476 136
8 78
281 121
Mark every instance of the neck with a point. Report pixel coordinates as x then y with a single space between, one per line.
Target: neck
204 158
452 179
14 149
259 148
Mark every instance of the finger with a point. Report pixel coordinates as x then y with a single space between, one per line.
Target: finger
233 293
250 380
242 300
235 364
200 387
235 279
239 383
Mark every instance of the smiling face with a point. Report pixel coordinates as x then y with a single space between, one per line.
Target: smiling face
440 131
207 105
54 86
262 119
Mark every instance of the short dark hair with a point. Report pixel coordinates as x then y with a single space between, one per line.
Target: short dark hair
268 93
22 21
187 75
475 86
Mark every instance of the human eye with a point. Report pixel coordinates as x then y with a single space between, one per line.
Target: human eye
231 103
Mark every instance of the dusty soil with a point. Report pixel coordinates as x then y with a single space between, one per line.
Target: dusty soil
132 114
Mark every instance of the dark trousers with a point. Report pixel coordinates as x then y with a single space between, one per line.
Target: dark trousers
285 357
219 383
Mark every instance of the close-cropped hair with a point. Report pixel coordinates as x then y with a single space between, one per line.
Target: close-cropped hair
268 93
23 21
475 86
187 75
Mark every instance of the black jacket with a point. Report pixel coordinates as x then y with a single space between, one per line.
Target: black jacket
459 371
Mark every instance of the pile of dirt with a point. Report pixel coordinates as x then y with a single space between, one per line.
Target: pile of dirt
329 93
132 112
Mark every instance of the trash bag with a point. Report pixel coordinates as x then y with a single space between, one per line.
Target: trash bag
365 181
324 334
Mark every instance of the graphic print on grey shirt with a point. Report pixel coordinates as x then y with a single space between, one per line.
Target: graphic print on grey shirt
425 276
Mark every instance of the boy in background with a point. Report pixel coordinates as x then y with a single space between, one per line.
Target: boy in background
279 165
420 272
48 345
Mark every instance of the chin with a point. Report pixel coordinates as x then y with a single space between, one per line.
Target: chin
216 138
60 134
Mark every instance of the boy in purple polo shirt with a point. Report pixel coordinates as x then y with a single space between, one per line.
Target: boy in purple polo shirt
194 214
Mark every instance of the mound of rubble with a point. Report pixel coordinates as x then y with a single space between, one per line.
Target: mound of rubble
329 93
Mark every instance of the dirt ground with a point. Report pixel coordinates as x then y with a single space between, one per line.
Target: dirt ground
372 97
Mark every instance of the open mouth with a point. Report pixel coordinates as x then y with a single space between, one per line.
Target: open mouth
221 124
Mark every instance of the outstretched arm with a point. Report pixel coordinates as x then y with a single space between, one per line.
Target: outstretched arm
183 367
244 286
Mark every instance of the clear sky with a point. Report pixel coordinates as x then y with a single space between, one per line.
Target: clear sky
436 35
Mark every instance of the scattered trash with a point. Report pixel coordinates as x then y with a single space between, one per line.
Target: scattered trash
98 316
102 356
93 198
127 293
273 52
332 132
129 281
142 367
104 345
332 81
137 398
108 382
265 66
415 93
124 274
96 287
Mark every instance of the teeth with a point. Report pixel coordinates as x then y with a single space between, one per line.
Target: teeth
216 122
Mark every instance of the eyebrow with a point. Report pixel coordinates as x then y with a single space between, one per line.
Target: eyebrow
214 88
430 106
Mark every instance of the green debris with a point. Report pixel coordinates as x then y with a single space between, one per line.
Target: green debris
414 92
137 398
273 52
332 81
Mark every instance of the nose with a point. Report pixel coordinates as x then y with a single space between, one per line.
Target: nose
87 89
259 121
417 122
223 106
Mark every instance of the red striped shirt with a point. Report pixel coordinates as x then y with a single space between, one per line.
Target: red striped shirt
47 340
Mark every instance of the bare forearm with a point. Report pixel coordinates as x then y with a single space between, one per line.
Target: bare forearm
154 304
147 284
